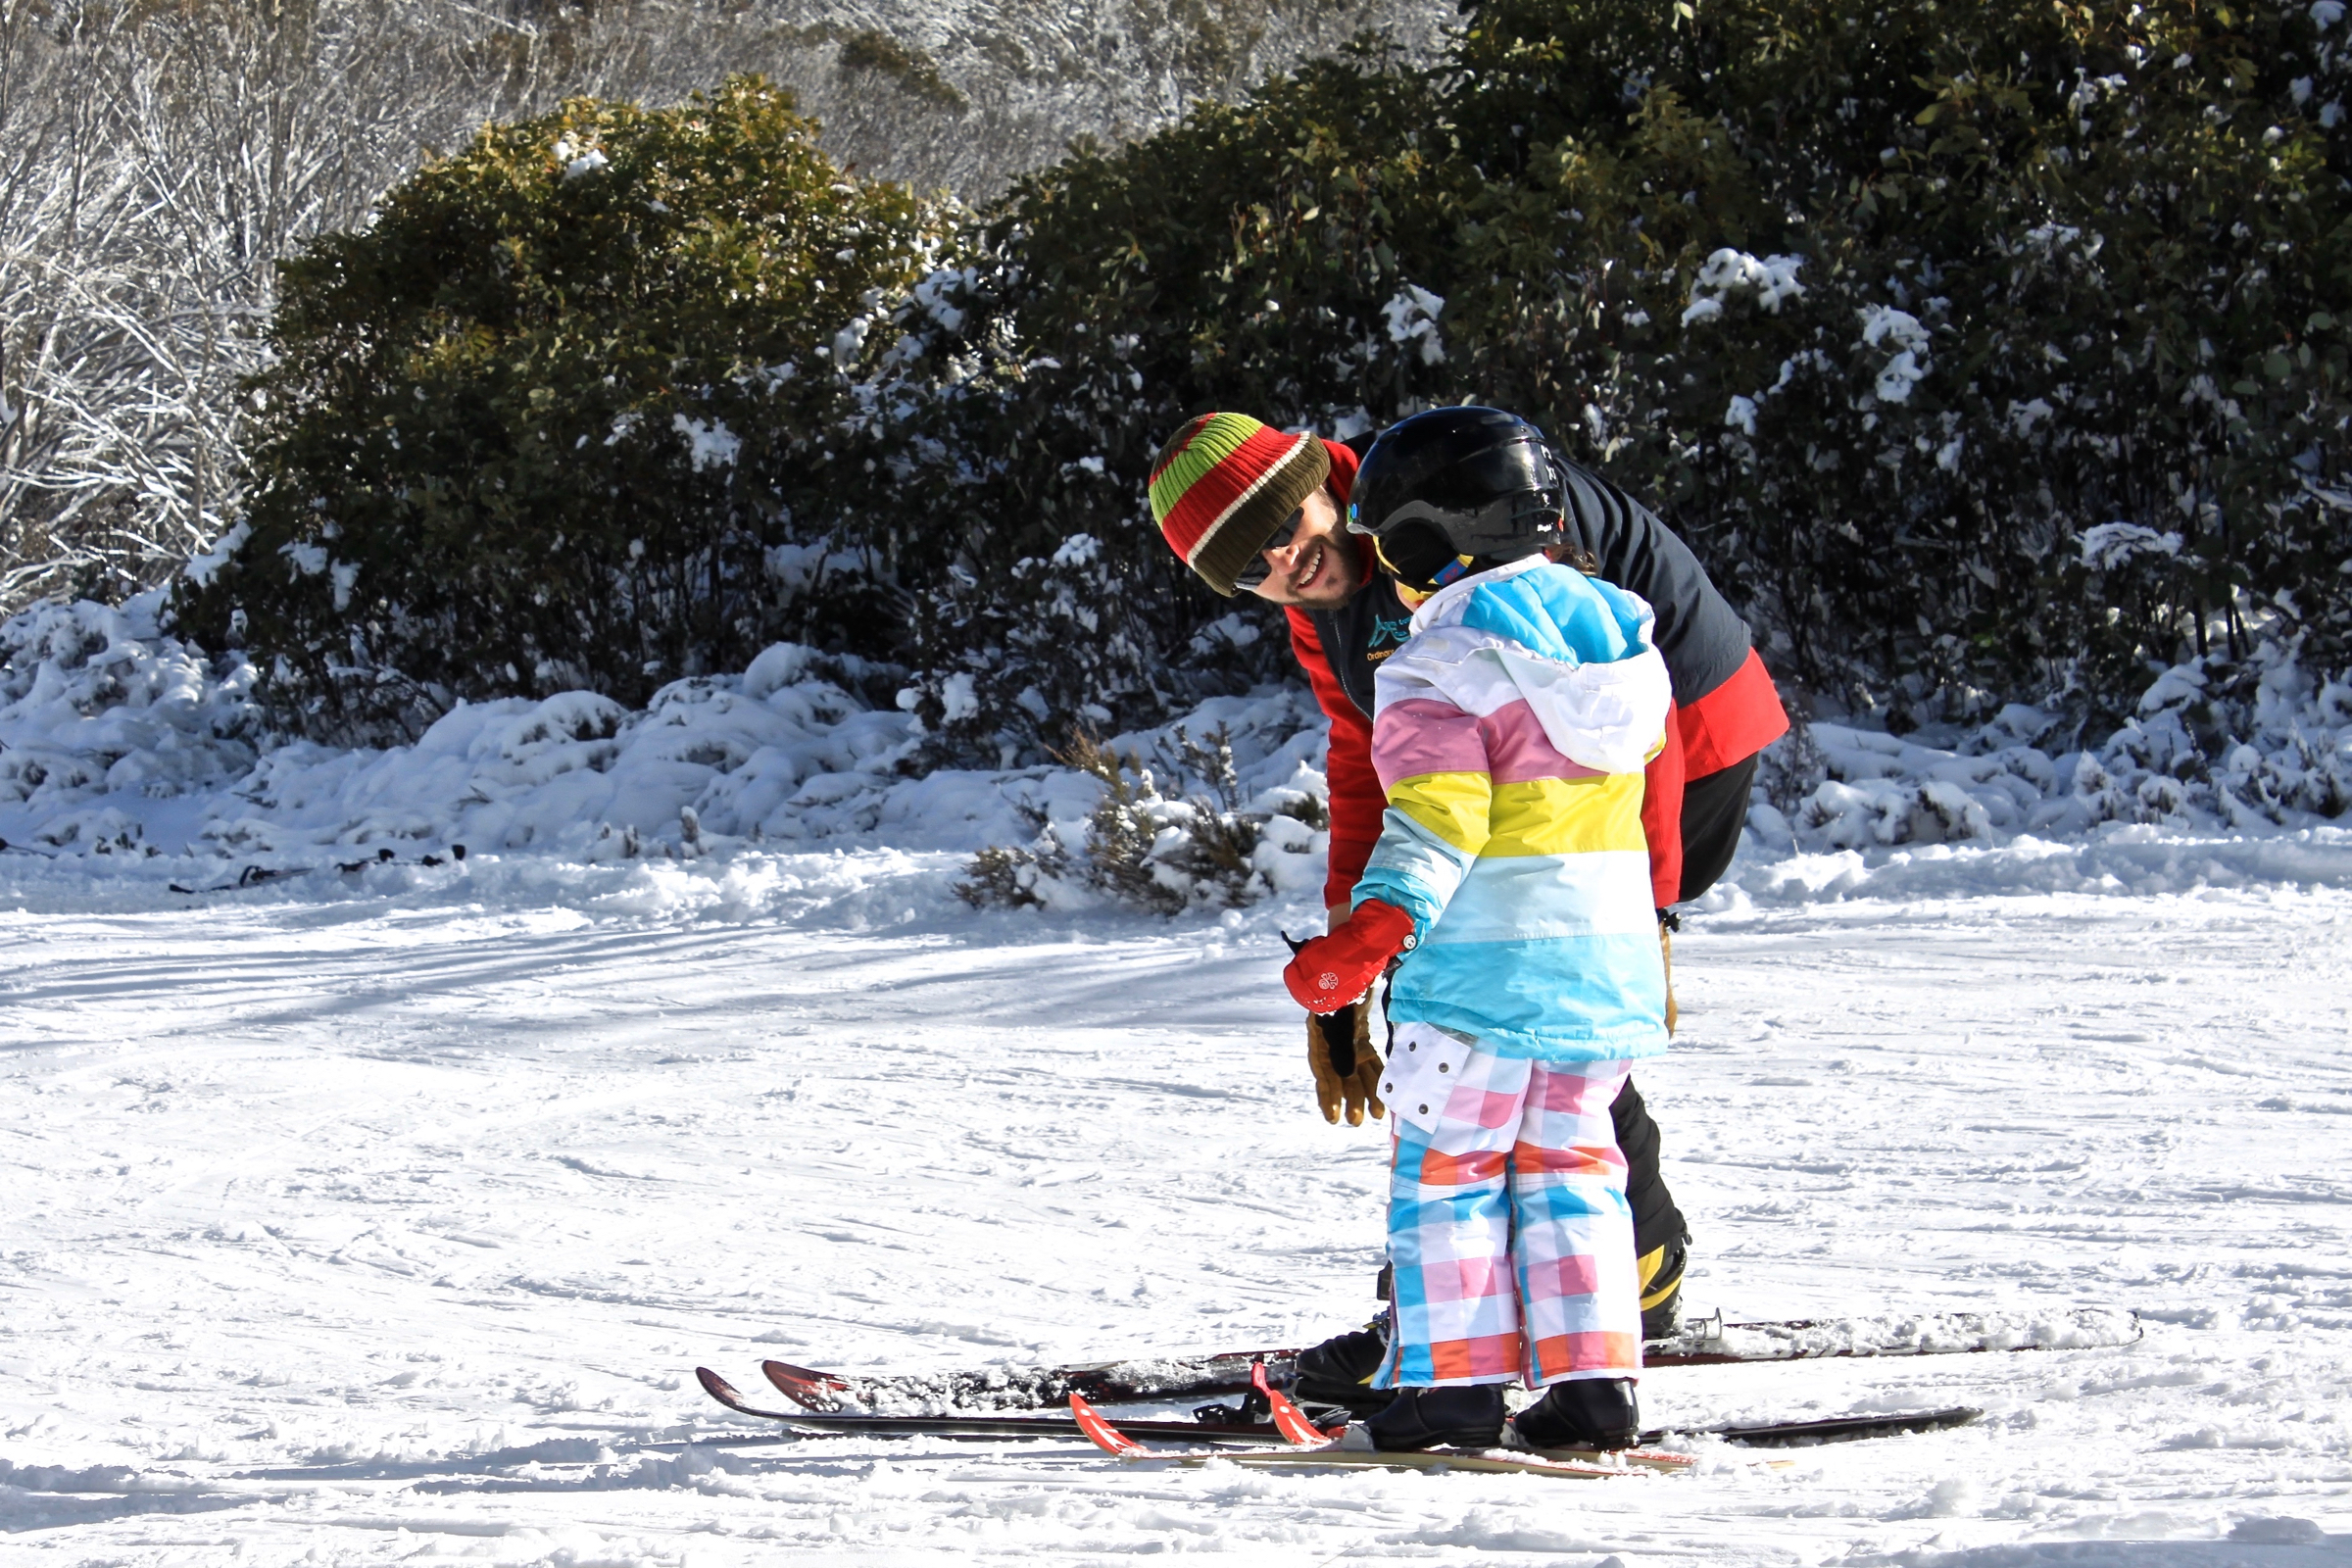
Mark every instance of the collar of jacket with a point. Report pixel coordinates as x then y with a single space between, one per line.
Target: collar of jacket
1436 607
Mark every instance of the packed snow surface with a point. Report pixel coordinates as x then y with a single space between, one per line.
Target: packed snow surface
365 1202
385 1220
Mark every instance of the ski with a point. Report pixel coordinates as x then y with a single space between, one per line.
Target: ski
1031 1388
1710 1342
1835 1429
997 1428
974 1428
1118 1442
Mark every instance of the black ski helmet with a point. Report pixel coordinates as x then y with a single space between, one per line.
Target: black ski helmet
1457 490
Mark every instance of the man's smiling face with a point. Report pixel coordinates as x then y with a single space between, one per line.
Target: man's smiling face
1320 568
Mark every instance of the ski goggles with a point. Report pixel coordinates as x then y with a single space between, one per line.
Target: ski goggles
1259 569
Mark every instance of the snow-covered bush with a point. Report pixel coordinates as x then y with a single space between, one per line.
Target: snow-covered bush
1244 258
115 735
2189 758
120 740
95 700
1169 852
1017 876
1883 334
1971 385
1888 305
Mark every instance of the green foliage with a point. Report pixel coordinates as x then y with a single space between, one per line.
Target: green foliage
1144 847
1983 350
549 421
1885 306
870 50
1245 258
2116 236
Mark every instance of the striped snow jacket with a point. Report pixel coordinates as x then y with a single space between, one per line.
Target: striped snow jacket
1509 734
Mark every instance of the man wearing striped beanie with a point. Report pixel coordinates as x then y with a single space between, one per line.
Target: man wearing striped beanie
1251 509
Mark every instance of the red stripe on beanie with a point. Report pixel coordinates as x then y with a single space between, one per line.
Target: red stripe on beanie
1209 497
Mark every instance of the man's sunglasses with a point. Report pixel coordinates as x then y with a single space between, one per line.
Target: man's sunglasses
1259 570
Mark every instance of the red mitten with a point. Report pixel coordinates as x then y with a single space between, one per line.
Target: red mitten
1329 972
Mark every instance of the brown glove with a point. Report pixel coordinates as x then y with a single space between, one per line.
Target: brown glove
1339 1048
1666 950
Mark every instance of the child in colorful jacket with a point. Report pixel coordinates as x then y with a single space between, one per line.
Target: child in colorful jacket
1510 733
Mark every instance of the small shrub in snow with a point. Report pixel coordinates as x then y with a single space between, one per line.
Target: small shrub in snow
1204 847
1168 853
1008 876
1791 770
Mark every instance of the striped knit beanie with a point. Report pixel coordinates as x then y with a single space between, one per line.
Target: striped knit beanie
1224 483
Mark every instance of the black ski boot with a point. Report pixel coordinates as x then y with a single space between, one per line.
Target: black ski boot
1469 1417
1581 1413
1339 1370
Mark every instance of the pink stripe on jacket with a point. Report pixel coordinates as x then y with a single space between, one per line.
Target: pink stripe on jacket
1436 737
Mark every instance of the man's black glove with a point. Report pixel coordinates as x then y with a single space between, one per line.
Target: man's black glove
1339 1050
1339 1054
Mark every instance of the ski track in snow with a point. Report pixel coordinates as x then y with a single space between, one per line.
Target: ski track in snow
388 1229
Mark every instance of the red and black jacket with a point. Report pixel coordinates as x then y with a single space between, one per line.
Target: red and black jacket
1726 709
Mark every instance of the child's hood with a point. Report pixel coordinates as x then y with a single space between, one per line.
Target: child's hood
1579 651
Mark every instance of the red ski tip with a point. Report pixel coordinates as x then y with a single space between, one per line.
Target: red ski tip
1289 1419
1110 1438
802 1374
812 1390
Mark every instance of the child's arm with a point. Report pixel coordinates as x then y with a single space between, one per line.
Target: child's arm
1432 761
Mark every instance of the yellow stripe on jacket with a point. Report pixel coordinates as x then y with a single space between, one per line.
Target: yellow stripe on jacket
1566 816
1479 818
1453 806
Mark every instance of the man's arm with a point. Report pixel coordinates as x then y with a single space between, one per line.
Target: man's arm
1725 707
1733 722
1700 636
1662 814
1339 1048
1356 800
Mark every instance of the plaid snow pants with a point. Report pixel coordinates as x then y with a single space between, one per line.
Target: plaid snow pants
1508 1227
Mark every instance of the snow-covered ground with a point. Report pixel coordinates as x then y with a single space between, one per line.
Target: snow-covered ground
360 1202
383 1218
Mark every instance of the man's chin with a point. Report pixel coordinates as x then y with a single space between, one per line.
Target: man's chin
1333 589
1328 594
